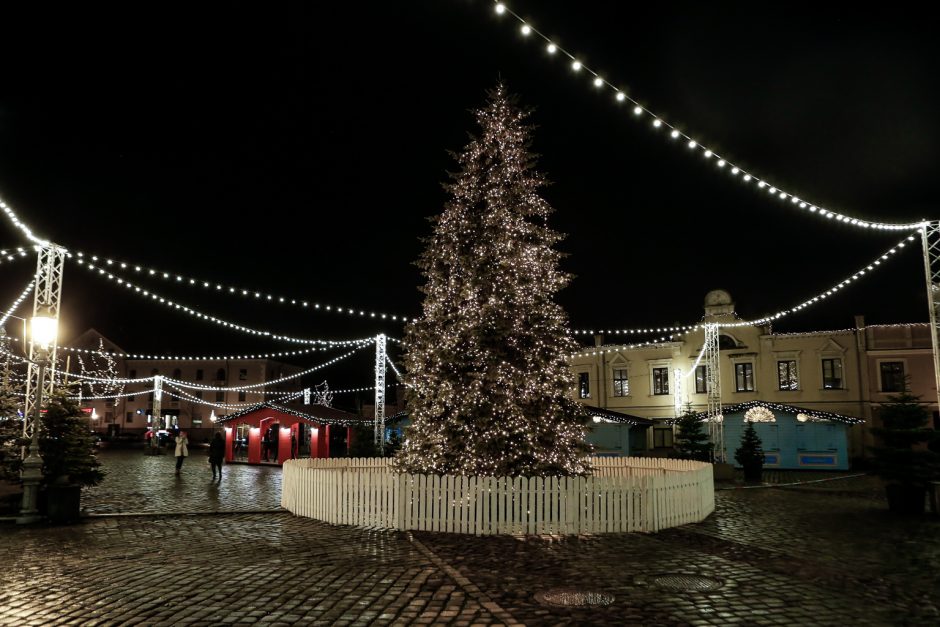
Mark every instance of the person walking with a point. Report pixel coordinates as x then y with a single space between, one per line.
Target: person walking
217 454
182 450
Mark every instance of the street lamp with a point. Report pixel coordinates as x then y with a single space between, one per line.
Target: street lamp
43 329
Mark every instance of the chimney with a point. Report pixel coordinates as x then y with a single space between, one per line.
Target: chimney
598 340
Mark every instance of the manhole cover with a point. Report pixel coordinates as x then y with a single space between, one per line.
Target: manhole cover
686 582
569 597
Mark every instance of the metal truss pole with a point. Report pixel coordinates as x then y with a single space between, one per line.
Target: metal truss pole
930 238
156 419
379 424
716 426
47 294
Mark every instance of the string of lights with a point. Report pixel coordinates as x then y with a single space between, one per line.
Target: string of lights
305 351
220 288
8 210
108 396
259 392
647 331
394 369
101 272
245 388
614 349
862 272
12 254
679 137
16 303
198 400
887 255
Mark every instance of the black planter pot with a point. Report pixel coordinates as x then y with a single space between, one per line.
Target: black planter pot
63 503
753 474
905 499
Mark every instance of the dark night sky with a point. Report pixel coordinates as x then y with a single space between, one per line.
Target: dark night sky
299 148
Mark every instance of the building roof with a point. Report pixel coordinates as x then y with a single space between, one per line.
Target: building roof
792 409
320 414
616 416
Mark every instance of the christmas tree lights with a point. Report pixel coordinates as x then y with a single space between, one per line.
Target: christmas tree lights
486 362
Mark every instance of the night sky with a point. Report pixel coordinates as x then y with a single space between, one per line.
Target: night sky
298 149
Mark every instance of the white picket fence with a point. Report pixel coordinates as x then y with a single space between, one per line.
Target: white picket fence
623 494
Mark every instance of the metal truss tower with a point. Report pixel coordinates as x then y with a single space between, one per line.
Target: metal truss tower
716 427
380 357
50 263
930 238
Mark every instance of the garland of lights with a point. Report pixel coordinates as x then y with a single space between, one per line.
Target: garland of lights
245 388
615 349
231 325
889 254
790 409
228 289
254 391
721 163
12 255
759 413
875 263
304 351
16 303
344 422
21 226
195 399
679 329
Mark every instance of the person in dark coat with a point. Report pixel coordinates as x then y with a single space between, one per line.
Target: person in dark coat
217 454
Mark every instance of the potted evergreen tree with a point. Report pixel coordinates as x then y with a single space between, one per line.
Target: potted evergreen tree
11 437
67 449
750 454
691 441
905 459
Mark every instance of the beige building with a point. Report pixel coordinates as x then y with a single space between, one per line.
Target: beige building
183 407
848 371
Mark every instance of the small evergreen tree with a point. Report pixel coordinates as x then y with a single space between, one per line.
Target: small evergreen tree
66 444
750 454
691 441
489 384
11 432
905 456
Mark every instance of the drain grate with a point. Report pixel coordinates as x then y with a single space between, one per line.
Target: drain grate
571 597
695 583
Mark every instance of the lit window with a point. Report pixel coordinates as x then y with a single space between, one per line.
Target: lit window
744 377
701 379
621 382
786 375
243 374
660 381
584 385
832 374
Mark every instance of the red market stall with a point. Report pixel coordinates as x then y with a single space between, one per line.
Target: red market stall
269 433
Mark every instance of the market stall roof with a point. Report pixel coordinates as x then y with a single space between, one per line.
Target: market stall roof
616 416
815 414
319 414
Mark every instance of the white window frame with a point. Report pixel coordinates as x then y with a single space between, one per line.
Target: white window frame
614 366
577 386
734 373
661 363
788 356
822 373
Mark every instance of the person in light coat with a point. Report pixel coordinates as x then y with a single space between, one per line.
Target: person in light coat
182 450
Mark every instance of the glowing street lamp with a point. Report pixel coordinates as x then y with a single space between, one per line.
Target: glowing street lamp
43 329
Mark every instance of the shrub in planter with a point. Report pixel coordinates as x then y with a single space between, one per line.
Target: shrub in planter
905 459
67 449
750 454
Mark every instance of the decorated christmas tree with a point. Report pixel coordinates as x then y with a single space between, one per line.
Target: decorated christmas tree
66 444
11 427
489 385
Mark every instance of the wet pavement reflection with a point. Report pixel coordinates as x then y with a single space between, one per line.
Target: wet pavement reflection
135 482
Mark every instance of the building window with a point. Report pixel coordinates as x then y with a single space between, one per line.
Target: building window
197 420
786 375
219 396
129 417
243 374
584 385
892 376
241 395
109 417
744 377
132 374
832 374
662 438
199 374
621 382
154 372
660 380
701 379
220 374
198 394
177 374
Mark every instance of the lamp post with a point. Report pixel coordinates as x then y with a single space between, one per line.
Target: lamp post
44 327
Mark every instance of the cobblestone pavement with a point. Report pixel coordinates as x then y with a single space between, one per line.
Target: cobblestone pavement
780 557
135 482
